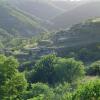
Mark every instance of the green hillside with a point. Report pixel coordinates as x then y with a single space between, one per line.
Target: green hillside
80 34
37 64
82 39
17 23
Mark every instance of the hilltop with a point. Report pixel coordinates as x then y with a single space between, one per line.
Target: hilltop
80 13
79 34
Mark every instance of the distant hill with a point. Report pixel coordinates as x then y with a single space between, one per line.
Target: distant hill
44 10
83 12
38 8
87 32
15 22
81 41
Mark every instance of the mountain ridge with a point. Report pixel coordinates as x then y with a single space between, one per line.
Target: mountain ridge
13 19
83 12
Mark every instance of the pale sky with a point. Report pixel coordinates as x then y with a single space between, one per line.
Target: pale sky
75 0
67 0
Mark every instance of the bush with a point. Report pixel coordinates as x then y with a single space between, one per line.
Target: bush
94 69
62 91
41 91
88 91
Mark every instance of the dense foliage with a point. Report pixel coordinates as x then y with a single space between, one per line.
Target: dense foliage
94 68
88 91
50 66
38 65
12 82
51 78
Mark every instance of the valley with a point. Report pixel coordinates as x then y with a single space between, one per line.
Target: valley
49 50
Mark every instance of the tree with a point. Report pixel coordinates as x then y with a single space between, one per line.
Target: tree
44 69
13 83
68 70
10 67
88 91
15 87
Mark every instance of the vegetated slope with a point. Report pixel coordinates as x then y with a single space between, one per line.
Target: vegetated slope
41 9
80 13
44 10
15 23
81 41
80 34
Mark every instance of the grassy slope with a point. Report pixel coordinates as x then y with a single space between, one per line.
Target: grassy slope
17 23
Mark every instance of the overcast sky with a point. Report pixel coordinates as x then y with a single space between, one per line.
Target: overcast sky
70 0
67 0
75 0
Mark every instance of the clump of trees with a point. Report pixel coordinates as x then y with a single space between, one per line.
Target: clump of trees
51 78
51 69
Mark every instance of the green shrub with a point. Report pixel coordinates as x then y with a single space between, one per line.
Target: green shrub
88 91
41 91
94 69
